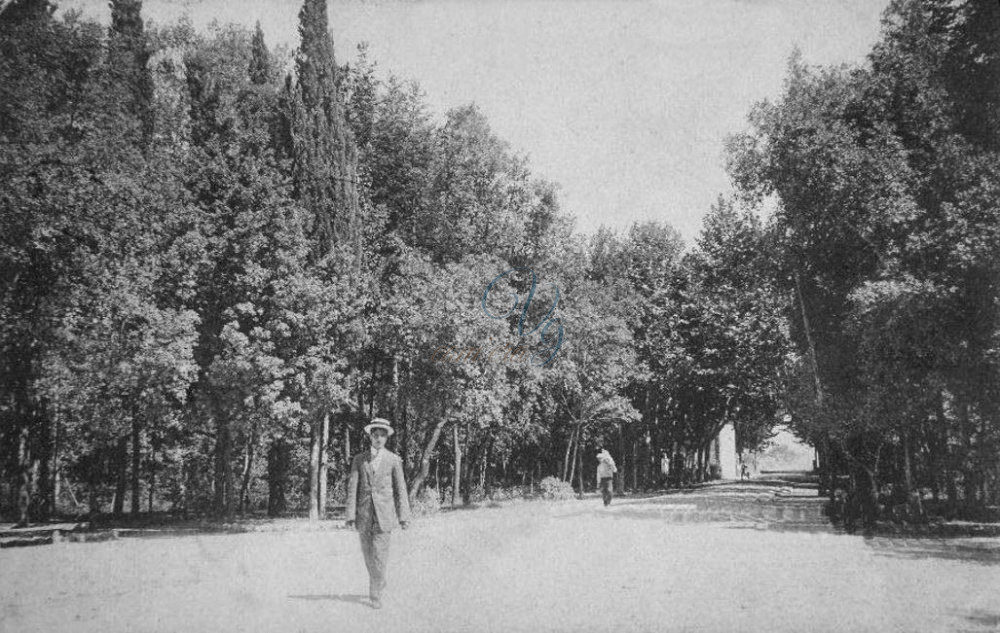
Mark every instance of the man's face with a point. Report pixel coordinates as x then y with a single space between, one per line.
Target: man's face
378 437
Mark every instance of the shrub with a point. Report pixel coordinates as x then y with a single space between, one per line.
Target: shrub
554 488
477 494
337 493
426 502
514 493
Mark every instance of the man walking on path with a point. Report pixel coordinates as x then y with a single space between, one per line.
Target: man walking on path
605 474
377 503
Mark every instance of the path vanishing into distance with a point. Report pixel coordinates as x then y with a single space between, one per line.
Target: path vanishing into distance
735 557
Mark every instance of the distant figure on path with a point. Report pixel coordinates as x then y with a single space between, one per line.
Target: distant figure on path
377 502
606 470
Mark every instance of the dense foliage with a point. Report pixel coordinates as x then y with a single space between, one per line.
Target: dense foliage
218 262
887 227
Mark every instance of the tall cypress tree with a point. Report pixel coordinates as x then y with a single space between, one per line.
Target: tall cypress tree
128 55
126 18
20 11
324 155
973 71
324 171
132 83
260 58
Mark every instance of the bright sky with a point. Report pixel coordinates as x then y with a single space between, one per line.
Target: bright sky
624 103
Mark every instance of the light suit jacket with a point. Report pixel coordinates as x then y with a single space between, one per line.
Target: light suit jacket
377 494
606 468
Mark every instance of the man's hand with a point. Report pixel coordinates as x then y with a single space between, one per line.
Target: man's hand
404 524
349 524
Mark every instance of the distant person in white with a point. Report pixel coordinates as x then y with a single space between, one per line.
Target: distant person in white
606 470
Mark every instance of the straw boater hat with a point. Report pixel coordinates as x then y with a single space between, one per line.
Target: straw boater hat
379 423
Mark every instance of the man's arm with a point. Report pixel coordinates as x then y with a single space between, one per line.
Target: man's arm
399 492
352 493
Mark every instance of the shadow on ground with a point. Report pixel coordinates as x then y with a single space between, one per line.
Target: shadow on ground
985 552
335 597
983 618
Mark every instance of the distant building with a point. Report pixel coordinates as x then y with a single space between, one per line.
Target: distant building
724 460
784 452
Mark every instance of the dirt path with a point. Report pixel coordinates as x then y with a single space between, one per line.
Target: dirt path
571 566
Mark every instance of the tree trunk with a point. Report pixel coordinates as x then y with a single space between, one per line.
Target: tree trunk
486 479
483 465
314 463
870 508
621 456
576 451
398 417
676 464
324 464
25 491
467 466
136 463
223 501
914 503
943 469
456 484
824 450
247 469
569 450
121 472
809 342
152 490
184 490
72 494
347 446
425 459
39 479
579 467
635 465
697 465
947 457
277 476
54 499
968 476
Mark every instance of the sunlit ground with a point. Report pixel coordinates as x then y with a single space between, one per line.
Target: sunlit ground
568 566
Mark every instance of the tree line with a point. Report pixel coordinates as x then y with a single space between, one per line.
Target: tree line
887 226
220 260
